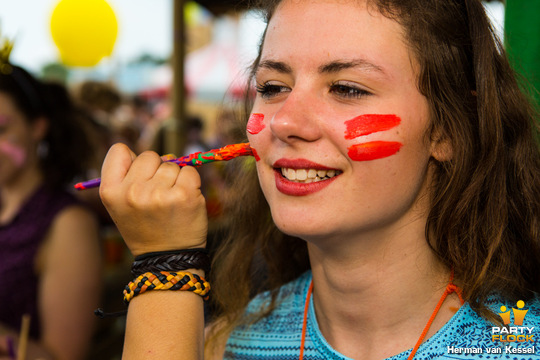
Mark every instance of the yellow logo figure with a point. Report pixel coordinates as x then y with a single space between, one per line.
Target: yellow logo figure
519 314
505 315
84 31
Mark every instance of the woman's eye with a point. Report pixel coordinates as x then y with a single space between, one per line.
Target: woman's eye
348 91
269 90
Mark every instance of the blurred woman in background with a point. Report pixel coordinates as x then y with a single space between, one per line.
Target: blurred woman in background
50 257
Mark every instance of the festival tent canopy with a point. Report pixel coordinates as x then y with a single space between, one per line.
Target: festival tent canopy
218 71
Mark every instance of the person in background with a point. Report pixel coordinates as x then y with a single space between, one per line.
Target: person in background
50 257
194 136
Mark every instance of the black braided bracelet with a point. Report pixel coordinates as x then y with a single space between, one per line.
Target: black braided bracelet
173 260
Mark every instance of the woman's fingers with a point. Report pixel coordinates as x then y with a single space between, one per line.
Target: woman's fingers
117 164
155 205
189 177
144 167
167 174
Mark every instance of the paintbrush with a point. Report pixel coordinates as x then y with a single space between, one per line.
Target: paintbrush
225 153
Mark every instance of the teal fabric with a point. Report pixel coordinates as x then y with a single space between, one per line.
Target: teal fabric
278 336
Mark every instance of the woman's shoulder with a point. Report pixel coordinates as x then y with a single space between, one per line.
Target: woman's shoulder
286 316
289 295
468 335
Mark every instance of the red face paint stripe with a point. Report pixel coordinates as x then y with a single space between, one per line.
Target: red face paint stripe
255 155
369 123
255 124
373 150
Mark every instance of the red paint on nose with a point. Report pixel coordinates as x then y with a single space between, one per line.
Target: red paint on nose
369 123
255 124
373 150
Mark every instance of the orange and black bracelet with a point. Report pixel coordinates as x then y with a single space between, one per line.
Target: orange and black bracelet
166 280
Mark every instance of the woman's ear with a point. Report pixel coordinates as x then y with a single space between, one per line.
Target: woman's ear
40 128
441 146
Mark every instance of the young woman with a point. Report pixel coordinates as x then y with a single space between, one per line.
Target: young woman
50 256
397 158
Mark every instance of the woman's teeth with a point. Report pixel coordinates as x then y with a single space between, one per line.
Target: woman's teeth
308 175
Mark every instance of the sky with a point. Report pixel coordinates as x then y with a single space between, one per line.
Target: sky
144 26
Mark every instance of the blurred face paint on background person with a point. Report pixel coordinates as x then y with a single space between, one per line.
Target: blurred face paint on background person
16 140
13 151
344 152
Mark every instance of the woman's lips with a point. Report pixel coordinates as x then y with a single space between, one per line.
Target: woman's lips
295 188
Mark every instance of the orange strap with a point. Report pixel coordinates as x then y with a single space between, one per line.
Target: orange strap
450 288
304 324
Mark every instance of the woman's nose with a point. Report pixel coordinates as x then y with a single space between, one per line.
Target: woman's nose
296 119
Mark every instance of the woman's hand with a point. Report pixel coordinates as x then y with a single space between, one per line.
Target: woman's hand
155 205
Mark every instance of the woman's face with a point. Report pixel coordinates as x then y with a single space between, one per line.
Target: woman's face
338 124
18 140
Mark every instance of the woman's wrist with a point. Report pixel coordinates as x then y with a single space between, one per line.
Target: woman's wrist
171 260
165 280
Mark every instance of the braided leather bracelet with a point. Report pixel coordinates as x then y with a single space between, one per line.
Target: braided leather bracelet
174 260
164 280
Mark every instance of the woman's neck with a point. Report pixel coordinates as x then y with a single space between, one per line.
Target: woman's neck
378 289
14 193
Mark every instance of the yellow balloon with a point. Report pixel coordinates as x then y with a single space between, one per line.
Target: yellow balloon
84 31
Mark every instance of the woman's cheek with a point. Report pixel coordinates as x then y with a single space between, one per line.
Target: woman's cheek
14 152
254 126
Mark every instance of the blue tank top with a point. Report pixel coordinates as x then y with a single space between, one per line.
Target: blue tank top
465 336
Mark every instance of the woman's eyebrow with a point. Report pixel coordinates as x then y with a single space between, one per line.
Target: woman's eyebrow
338 65
278 66
330 67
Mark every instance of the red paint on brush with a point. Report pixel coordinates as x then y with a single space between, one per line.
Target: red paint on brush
369 123
373 150
255 124
255 155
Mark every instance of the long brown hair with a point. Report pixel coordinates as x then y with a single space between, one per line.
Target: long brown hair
484 217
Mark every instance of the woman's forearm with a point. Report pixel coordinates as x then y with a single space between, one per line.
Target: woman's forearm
165 325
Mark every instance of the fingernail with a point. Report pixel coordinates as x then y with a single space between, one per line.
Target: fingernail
168 157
